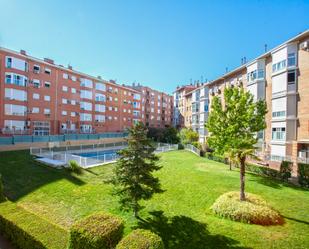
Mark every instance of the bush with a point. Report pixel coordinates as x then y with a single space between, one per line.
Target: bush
220 159
303 174
96 231
254 210
75 167
263 171
2 196
28 231
141 239
180 147
285 170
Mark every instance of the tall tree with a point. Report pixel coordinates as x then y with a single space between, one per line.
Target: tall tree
233 125
133 178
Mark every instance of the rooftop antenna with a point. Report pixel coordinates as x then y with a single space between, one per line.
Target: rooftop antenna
242 61
202 79
191 81
245 60
226 69
265 47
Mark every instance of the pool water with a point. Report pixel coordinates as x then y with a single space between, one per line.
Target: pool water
100 155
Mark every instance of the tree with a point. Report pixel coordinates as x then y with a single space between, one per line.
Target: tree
170 135
233 125
188 136
133 179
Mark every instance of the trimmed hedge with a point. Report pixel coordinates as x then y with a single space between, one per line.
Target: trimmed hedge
141 239
220 159
263 171
253 210
97 231
303 173
28 231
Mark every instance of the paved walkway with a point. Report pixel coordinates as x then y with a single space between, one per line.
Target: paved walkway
5 244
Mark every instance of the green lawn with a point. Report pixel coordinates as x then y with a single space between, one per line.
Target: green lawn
181 215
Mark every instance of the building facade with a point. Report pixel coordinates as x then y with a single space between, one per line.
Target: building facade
182 106
42 98
157 107
280 77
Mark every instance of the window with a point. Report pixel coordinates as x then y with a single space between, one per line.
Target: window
278 114
100 97
35 109
136 105
8 62
279 66
152 109
86 94
73 90
85 117
110 108
65 76
47 111
36 83
278 133
73 78
16 79
73 102
99 108
64 101
73 114
115 109
47 98
64 113
36 68
14 94
47 71
116 99
86 106
86 82
291 59
16 63
99 118
36 96
14 125
47 84
64 88
124 110
206 108
16 110
291 77
100 86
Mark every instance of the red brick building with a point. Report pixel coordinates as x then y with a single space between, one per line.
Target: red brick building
157 107
41 98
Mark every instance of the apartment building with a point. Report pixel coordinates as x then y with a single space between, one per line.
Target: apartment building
42 98
280 77
199 99
157 107
182 106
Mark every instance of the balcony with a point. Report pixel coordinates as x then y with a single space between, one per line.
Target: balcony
15 131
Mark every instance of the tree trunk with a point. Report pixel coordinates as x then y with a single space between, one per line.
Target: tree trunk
135 213
230 165
242 179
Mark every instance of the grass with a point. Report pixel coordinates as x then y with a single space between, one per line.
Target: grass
181 215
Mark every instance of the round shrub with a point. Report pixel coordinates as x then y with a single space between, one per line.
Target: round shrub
99 230
141 239
254 210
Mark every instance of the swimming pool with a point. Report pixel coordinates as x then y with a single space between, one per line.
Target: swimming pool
104 155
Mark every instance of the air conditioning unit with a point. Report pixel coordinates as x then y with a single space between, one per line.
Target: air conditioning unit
304 45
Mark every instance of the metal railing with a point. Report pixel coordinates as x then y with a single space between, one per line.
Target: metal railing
193 149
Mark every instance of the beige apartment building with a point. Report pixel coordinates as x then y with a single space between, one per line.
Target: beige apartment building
280 77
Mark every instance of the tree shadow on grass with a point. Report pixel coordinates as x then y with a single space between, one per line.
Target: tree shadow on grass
297 220
21 174
267 181
182 232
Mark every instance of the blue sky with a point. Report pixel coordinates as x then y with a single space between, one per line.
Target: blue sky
161 44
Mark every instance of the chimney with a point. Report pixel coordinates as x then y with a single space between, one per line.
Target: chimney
23 52
49 60
70 67
99 77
